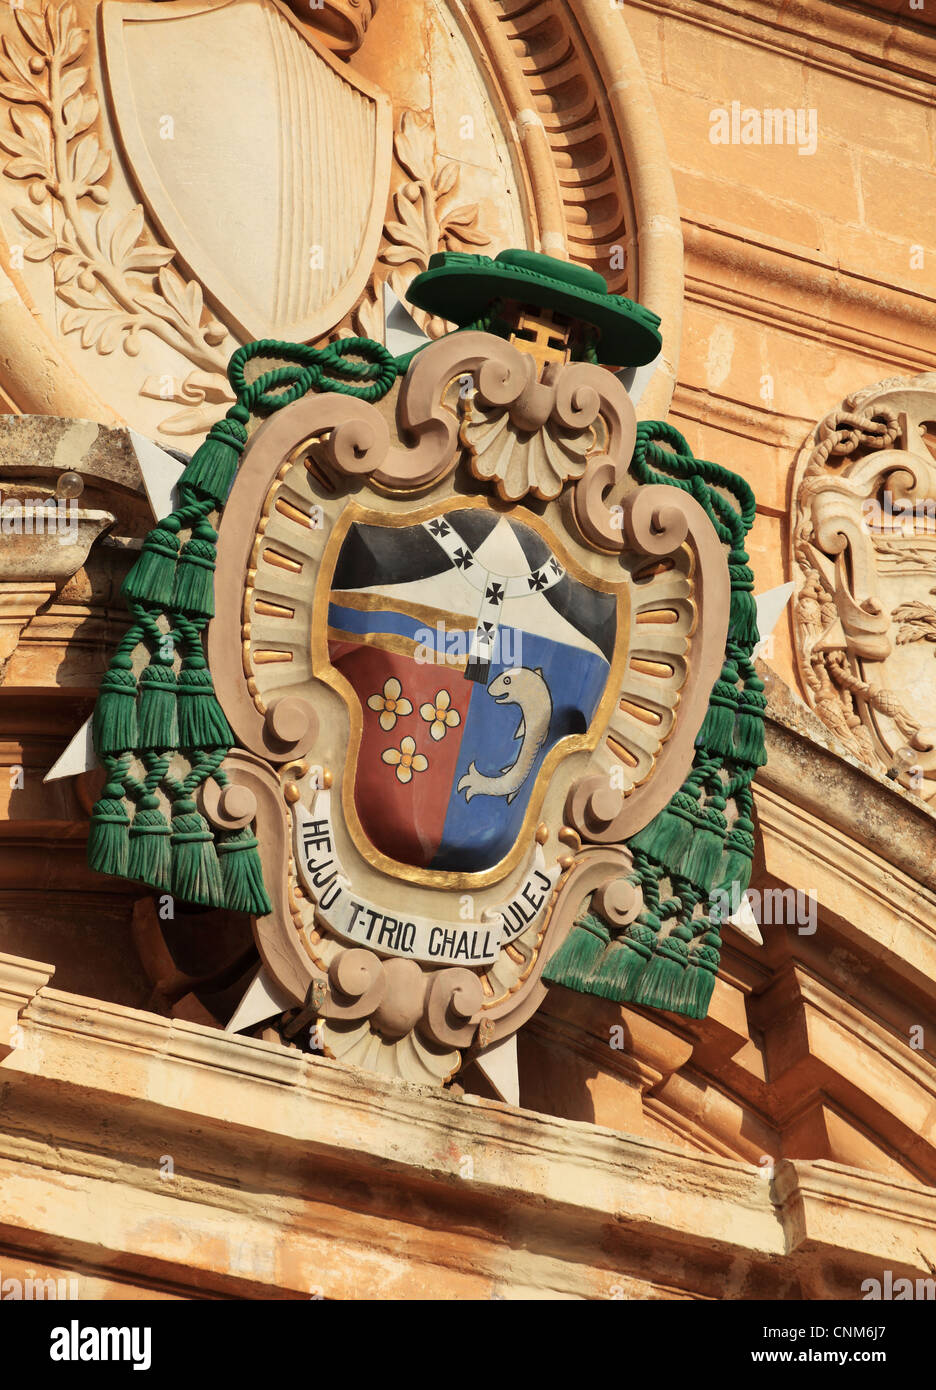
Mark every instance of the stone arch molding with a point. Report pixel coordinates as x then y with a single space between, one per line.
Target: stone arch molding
123 280
864 561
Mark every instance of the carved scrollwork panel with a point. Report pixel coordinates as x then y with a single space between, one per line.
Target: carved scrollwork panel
864 556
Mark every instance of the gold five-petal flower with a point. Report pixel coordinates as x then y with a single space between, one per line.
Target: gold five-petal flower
405 759
392 704
438 715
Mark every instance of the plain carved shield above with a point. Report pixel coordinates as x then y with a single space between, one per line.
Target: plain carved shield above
285 236
179 177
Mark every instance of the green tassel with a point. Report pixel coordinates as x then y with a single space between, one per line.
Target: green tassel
695 992
152 576
242 874
667 838
742 620
660 984
193 591
578 955
159 727
717 732
196 873
114 724
699 979
749 745
150 856
202 724
735 867
702 860
618 970
107 837
213 466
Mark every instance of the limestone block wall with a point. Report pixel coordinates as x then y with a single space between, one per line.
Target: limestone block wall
808 275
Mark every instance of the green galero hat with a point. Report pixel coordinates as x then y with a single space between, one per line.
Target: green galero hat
461 288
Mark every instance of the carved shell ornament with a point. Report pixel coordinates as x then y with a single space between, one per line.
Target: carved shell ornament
442 690
520 460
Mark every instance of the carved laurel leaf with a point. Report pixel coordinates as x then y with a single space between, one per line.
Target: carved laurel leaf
72 319
445 178
368 319
26 168
40 250
396 231
15 60
13 144
110 333
154 304
74 44
81 299
103 230
467 235
187 300
125 235
399 255
67 22
73 82
80 112
32 30
33 221
30 128
19 68
67 268
14 91
148 257
89 331
411 229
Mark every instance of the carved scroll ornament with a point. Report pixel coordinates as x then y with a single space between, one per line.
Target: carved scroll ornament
864 549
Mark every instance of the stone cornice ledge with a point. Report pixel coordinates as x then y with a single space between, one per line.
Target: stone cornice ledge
867 45
130 1057
824 1204
20 981
729 267
291 1157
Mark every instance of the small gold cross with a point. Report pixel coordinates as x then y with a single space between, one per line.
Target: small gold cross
540 333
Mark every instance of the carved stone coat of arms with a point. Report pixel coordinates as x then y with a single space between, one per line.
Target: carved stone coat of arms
453 686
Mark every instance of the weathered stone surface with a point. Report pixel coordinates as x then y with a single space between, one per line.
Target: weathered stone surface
485 1201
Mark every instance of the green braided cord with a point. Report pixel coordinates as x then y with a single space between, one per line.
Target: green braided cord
702 843
156 707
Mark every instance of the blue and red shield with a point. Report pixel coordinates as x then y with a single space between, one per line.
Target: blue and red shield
473 652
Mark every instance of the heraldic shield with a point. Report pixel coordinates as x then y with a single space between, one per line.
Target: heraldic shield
473 652
290 184
459 658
